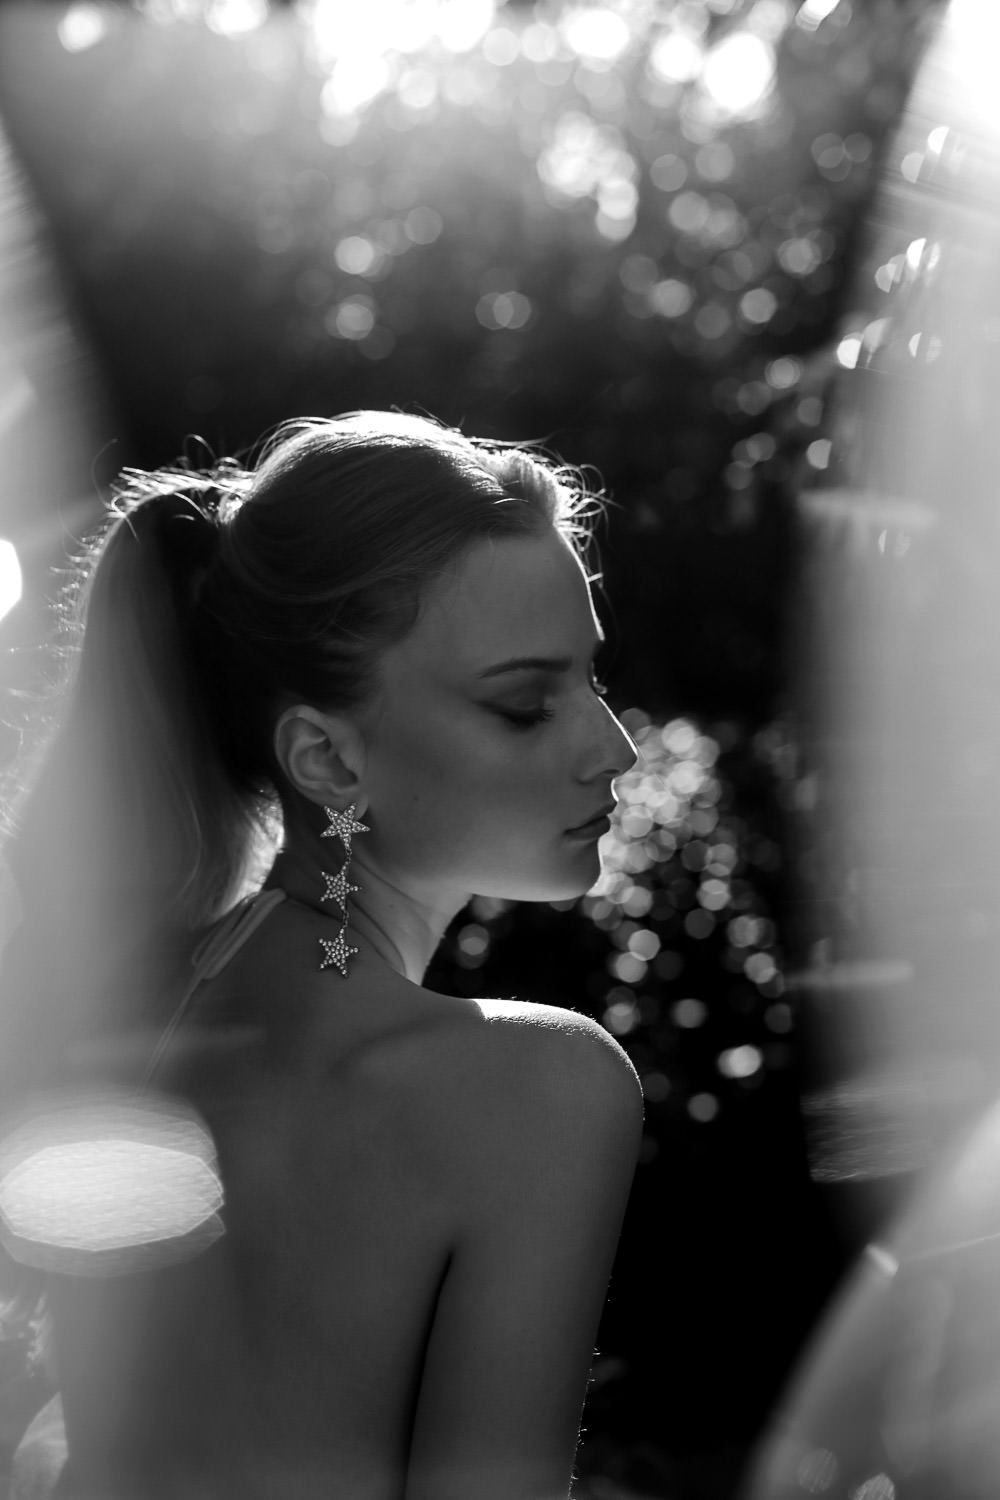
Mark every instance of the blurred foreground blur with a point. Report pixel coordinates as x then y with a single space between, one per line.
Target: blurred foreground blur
900 909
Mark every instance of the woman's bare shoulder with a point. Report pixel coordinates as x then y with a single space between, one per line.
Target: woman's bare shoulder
566 1064
479 1063
446 1031
565 1047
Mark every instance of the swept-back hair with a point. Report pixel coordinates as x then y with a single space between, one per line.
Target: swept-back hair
207 602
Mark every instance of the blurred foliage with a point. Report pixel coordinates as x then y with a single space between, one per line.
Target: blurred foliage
621 229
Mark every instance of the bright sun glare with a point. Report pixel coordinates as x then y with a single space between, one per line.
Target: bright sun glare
970 43
10 578
739 72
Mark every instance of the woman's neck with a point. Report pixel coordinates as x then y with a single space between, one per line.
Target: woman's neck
387 923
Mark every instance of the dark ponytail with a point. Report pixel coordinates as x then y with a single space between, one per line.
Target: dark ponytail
128 832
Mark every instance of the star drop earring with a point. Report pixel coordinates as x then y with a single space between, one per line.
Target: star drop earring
343 825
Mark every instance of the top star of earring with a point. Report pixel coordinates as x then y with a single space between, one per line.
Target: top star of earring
343 825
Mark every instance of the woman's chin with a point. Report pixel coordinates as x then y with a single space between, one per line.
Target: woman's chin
576 881
564 879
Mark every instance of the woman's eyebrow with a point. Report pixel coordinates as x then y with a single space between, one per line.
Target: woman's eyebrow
536 663
530 664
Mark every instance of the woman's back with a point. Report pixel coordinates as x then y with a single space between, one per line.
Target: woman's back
363 1129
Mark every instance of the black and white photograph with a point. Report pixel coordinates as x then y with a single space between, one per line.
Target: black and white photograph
499 750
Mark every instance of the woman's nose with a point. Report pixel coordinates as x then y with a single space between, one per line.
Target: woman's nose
613 750
628 750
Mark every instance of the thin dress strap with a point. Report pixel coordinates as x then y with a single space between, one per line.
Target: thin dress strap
210 958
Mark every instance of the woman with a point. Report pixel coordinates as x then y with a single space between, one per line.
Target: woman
377 647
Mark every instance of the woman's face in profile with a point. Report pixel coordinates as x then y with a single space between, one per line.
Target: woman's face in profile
489 750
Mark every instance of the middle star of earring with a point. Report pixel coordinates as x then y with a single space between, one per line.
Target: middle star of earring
337 952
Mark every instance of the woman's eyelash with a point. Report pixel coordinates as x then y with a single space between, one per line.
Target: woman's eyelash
528 720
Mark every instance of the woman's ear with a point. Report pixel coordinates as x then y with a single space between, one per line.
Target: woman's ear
322 755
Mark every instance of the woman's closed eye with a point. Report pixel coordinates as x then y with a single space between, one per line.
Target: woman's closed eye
526 718
529 717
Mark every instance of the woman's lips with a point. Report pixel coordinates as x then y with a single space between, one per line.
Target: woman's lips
599 823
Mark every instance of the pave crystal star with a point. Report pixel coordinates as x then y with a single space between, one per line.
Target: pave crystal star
336 952
338 887
343 825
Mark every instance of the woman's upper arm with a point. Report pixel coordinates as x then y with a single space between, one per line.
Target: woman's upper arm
544 1164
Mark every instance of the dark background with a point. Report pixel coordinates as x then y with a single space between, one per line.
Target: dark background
536 237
